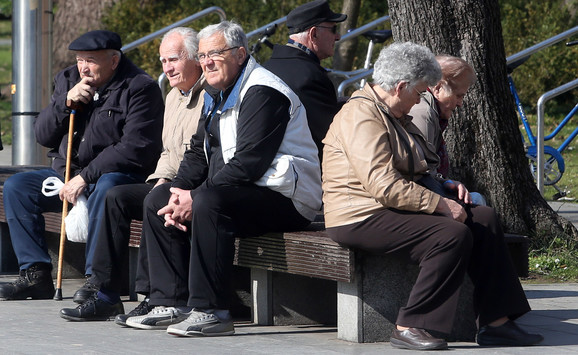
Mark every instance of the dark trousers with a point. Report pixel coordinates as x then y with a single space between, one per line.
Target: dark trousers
24 204
195 268
123 204
444 250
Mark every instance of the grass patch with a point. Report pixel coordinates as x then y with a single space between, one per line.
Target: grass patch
5 29
554 261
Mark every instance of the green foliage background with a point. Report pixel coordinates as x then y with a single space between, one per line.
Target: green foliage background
526 23
133 19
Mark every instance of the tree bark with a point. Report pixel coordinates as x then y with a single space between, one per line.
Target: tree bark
71 19
483 138
345 51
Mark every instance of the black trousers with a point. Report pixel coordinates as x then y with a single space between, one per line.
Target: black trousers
123 203
195 268
444 250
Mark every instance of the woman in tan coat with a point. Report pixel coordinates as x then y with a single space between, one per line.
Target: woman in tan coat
375 173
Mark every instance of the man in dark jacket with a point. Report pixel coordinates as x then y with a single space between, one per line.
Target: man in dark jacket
313 33
117 140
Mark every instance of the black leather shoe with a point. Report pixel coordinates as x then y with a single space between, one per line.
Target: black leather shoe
508 334
92 309
416 339
143 308
88 290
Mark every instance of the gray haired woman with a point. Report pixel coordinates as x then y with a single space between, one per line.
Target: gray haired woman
378 198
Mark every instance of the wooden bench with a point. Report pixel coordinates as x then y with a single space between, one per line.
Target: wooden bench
305 277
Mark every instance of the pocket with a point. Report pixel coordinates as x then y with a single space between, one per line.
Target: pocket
281 176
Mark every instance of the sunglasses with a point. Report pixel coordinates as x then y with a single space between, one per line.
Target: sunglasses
333 29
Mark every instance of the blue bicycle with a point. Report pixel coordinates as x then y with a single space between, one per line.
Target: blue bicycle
554 165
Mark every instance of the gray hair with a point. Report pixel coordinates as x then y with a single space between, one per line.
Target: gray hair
190 40
233 33
409 62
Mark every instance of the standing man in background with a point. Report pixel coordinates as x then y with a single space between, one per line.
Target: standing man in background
313 33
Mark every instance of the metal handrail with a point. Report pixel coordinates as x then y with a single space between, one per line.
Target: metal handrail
540 138
261 29
185 21
348 82
348 36
361 30
539 46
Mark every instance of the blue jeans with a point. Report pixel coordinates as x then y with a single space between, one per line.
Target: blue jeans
24 204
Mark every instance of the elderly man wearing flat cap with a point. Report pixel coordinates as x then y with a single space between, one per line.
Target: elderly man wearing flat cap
313 33
117 140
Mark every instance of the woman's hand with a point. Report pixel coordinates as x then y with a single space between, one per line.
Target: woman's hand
451 208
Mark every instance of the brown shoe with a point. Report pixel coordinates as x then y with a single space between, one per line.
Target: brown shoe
416 339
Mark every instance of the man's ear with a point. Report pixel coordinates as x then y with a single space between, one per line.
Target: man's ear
436 90
115 61
313 32
241 55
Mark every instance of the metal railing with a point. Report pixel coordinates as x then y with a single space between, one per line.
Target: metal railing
359 74
545 97
261 29
540 138
183 22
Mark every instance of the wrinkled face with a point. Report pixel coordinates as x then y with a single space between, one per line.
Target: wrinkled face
220 63
181 71
410 96
324 37
99 65
449 99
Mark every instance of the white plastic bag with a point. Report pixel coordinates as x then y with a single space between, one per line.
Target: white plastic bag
76 222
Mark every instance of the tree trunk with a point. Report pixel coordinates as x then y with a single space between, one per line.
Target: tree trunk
483 137
345 51
71 19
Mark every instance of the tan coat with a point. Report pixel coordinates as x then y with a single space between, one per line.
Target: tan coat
181 118
365 164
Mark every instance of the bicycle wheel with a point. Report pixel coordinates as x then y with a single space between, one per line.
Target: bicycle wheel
553 166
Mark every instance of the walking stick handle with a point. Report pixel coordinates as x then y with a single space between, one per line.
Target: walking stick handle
58 294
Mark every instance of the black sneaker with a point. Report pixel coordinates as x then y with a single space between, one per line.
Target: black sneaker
88 290
143 308
34 282
91 310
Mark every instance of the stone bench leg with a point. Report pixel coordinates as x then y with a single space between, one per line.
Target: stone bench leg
367 308
262 293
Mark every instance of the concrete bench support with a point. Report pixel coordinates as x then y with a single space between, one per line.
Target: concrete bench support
367 308
262 292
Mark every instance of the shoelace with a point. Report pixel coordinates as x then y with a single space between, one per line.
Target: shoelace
88 302
144 305
163 309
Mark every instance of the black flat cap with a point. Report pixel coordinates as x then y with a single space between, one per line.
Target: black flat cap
311 14
95 41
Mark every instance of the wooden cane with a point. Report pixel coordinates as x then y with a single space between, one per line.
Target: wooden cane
58 294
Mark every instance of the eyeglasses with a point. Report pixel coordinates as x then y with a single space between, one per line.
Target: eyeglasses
333 29
201 57
420 93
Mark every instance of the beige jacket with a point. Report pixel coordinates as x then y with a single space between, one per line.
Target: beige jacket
366 166
181 118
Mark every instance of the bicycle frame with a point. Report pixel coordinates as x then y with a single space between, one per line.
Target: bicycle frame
557 129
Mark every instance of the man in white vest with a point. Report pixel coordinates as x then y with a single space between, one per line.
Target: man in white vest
252 168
